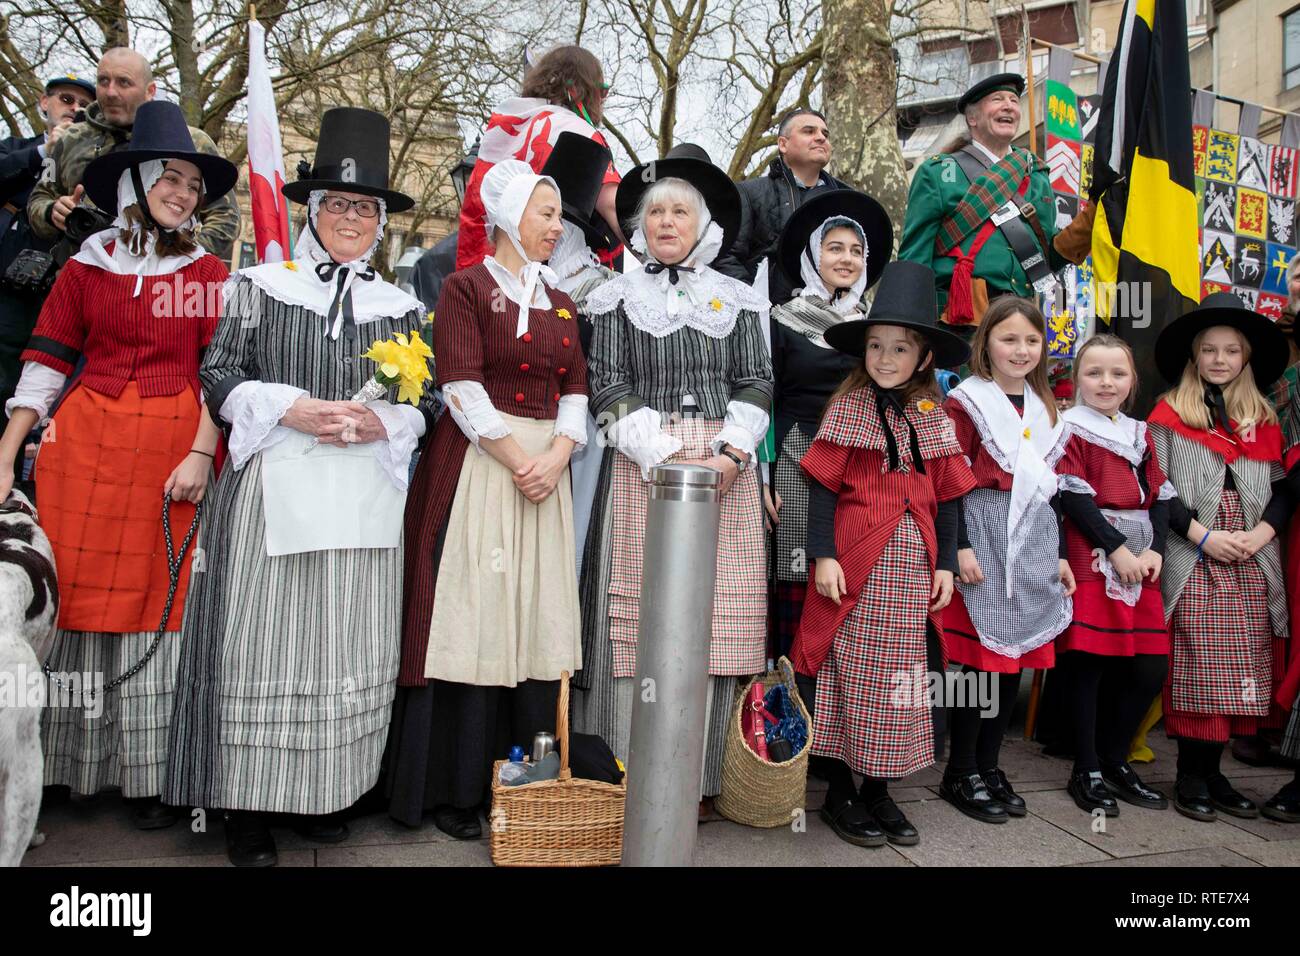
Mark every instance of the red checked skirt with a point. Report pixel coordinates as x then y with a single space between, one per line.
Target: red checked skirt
1105 625
872 710
740 591
1221 660
99 481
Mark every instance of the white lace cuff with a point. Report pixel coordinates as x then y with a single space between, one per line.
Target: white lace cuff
745 428
1166 491
254 410
473 412
38 387
1073 484
404 430
571 420
640 437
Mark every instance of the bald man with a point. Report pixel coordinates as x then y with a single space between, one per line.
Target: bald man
123 81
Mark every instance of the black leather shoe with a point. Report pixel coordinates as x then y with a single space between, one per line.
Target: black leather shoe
249 841
1225 798
1090 794
327 828
852 823
969 794
1124 783
150 813
1000 789
1284 806
458 823
1192 799
898 829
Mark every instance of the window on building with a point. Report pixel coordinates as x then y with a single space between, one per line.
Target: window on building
1291 50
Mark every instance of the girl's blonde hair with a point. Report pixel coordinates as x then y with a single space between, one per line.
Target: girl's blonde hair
1106 340
981 365
1245 403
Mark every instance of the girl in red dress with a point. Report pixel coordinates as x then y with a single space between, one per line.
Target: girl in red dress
1116 503
886 478
1015 585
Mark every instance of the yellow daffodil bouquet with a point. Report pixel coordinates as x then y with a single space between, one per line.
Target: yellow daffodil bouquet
403 361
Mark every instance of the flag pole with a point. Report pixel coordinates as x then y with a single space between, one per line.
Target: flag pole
1029 82
252 12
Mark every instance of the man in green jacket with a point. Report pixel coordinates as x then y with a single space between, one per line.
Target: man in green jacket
999 237
123 81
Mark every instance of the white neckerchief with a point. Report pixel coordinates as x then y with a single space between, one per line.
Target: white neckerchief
1025 447
810 263
137 254
1122 435
297 282
692 289
513 285
505 191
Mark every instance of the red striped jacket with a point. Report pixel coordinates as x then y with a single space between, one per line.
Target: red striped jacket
155 339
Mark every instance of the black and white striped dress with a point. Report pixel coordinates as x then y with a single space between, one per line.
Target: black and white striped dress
288 664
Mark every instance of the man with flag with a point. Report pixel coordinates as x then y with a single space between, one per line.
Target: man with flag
982 215
1145 242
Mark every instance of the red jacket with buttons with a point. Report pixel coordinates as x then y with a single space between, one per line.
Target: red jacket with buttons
155 339
474 340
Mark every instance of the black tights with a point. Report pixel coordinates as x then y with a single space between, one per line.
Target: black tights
1199 759
837 773
975 740
1127 685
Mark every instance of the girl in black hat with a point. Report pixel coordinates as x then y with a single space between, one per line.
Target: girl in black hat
679 372
832 249
1224 591
137 306
886 477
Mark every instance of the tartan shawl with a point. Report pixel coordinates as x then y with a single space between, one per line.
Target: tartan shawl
988 193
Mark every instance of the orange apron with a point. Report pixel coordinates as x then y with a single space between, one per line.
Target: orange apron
99 483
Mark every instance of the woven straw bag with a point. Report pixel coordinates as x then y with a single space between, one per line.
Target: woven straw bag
755 792
563 822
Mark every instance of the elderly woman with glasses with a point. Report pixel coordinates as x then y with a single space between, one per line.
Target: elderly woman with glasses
290 644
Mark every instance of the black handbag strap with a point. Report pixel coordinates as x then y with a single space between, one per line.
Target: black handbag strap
1026 247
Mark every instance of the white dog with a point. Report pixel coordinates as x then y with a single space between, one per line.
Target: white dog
29 606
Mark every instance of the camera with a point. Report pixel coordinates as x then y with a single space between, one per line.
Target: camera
84 222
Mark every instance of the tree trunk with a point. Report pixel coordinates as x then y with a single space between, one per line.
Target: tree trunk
859 84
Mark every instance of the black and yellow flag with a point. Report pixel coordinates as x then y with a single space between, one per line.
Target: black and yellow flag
1145 255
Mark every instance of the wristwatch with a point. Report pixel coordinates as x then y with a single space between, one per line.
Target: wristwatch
740 464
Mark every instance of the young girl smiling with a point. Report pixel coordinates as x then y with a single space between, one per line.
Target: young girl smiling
1014 590
885 476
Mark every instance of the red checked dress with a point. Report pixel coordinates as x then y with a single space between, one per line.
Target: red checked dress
1103 624
869 652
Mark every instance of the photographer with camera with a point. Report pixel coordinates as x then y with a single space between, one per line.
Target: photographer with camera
58 209
26 271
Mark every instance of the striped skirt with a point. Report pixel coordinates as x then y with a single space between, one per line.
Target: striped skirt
117 739
287 667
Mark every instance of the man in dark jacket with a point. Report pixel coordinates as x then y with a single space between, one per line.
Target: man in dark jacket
22 160
804 142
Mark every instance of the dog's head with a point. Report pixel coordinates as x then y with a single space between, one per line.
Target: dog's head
29 589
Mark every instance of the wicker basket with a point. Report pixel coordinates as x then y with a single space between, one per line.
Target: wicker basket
755 792
563 822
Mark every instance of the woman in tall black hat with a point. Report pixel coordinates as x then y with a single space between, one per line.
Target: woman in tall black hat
290 648
138 304
491 587
679 372
1224 591
832 249
886 477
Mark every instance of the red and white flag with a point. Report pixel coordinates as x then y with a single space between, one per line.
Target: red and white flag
265 156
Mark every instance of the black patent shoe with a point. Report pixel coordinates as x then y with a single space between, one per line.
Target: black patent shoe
249 841
1284 806
1089 793
458 823
1225 798
898 829
150 813
852 823
1192 800
325 828
1000 789
1124 783
969 794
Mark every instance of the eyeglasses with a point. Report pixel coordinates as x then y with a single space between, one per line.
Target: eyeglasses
338 206
605 91
67 99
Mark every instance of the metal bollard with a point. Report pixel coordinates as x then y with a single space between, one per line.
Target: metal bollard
666 751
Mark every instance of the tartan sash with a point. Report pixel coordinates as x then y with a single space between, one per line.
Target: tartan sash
986 195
